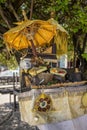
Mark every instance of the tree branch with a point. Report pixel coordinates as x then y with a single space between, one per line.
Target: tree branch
13 11
4 18
3 29
1 36
31 10
18 3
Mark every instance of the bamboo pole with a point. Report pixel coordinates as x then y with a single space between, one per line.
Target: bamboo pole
58 85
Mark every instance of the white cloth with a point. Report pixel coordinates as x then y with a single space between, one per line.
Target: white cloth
75 124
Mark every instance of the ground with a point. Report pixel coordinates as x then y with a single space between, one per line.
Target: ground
10 119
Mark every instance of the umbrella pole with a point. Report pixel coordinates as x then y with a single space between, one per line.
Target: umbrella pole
33 49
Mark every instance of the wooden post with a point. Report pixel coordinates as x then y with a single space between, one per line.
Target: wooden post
14 92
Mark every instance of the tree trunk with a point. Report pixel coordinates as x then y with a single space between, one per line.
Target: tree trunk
75 49
84 43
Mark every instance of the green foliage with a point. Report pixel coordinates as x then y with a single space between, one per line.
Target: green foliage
62 5
84 55
80 17
1 43
11 63
2 1
3 58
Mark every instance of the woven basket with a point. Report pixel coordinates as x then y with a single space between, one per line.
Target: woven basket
45 77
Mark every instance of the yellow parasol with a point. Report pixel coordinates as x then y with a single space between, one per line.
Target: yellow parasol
60 38
29 33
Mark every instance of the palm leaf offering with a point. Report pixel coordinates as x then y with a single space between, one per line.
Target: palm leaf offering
43 103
